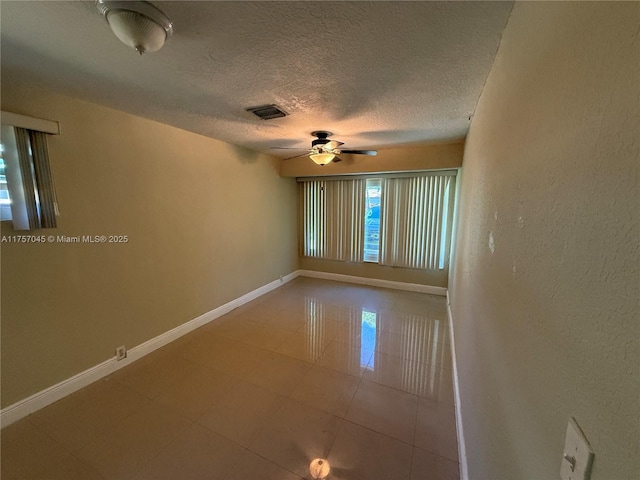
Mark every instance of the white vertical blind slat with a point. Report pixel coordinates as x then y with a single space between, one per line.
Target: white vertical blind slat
44 179
23 144
437 233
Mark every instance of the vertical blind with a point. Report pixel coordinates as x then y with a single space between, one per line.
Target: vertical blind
415 219
37 182
332 219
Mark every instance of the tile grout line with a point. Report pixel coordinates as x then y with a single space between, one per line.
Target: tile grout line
344 417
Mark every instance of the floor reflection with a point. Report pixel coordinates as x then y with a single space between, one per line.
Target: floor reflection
404 351
316 334
410 355
368 339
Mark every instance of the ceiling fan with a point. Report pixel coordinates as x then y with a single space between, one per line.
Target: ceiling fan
324 151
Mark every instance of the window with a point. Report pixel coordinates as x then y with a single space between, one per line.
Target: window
372 220
5 201
27 194
394 220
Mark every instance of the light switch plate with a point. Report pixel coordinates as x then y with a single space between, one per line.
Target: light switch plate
577 454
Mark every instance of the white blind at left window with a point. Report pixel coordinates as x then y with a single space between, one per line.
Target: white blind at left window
29 182
36 178
332 219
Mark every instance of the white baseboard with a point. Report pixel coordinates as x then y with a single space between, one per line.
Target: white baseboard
56 392
462 449
374 282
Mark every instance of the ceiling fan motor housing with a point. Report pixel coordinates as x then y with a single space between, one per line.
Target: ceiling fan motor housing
322 138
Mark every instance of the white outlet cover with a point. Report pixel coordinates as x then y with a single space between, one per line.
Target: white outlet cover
577 446
121 353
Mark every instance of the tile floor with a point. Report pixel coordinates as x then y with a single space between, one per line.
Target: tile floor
358 375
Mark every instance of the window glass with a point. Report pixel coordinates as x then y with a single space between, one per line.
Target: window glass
5 200
372 220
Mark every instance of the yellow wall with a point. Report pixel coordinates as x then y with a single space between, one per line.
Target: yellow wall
545 282
206 223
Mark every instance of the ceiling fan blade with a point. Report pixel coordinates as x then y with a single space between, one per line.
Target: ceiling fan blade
331 144
337 159
288 148
360 152
296 156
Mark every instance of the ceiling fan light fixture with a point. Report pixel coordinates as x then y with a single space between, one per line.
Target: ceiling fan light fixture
138 24
319 469
322 158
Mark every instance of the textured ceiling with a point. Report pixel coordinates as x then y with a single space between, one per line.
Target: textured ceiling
374 73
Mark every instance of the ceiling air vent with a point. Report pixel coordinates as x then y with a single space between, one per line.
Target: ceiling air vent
267 112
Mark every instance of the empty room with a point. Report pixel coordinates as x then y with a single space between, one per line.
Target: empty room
285 240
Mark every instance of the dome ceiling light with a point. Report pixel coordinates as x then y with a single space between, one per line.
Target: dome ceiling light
138 24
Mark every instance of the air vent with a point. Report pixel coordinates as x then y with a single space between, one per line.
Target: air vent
267 112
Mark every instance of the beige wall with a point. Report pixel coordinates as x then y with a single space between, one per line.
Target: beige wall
207 222
545 282
396 159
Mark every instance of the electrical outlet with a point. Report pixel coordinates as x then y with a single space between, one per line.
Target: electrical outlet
121 352
578 456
